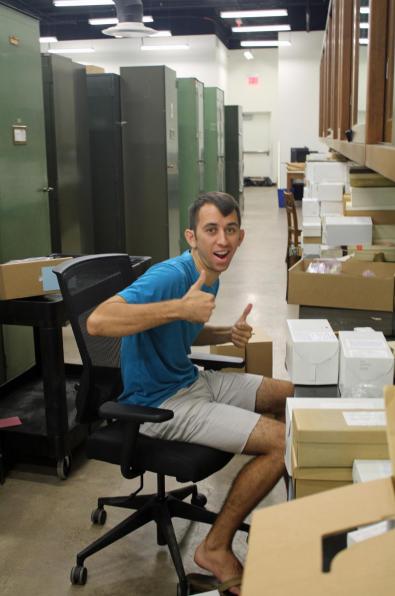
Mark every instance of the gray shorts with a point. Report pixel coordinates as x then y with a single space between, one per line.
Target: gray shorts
218 410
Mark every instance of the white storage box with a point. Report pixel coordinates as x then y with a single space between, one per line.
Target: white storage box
311 227
310 207
374 198
330 191
311 250
331 252
330 171
365 359
321 403
312 352
338 230
365 470
331 208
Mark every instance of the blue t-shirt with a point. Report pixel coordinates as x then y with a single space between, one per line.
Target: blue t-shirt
155 363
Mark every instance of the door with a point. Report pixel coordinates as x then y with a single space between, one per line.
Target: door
257 144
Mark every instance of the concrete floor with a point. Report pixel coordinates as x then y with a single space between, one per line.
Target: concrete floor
44 522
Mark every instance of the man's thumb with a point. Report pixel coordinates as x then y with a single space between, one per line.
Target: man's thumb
199 282
245 314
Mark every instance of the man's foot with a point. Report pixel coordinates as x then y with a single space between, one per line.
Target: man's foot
221 563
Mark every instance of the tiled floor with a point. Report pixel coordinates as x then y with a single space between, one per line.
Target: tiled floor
44 521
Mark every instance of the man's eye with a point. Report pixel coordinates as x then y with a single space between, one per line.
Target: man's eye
211 230
230 231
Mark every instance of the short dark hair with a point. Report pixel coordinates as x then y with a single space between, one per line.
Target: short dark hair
225 203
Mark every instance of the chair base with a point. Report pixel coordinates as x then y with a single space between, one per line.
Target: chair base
160 508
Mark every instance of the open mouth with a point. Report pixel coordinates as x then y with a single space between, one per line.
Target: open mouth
221 255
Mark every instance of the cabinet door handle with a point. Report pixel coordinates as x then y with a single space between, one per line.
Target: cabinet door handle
47 189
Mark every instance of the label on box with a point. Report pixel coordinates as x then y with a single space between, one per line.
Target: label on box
365 418
49 279
313 336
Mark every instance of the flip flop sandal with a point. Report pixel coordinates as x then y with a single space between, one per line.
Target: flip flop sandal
199 582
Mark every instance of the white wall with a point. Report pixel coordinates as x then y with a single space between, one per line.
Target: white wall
261 98
206 58
298 94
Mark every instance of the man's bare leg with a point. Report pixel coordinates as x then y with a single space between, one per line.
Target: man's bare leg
271 396
254 481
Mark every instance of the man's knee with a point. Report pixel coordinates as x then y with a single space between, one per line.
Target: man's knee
267 438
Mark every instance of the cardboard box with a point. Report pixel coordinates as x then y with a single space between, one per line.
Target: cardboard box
320 403
290 537
338 230
379 217
309 481
258 354
310 207
331 208
331 252
311 239
28 277
383 233
311 250
365 359
330 191
334 438
312 352
371 253
349 289
304 488
311 227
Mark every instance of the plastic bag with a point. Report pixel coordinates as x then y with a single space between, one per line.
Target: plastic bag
328 266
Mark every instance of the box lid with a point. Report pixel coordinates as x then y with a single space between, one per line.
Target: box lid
341 220
339 426
306 333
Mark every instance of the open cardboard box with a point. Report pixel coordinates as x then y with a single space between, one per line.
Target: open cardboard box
258 354
285 554
348 289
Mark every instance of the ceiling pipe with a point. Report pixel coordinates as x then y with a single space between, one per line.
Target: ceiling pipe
130 17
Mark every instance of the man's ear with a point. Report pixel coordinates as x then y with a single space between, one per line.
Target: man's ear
190 238
241 238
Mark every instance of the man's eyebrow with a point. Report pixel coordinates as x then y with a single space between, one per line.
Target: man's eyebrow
232 224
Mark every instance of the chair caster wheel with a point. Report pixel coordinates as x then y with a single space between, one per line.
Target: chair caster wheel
99 516
78 575
199 500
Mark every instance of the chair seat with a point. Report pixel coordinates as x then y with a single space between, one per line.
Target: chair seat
187 462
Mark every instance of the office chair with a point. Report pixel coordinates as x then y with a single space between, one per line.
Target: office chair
85 282
293 253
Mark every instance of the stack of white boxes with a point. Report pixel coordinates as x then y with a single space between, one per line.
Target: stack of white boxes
323 195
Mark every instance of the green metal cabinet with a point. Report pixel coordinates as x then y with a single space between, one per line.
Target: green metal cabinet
214 142
68 155
150 161
24 210
234 165
106 162
190 147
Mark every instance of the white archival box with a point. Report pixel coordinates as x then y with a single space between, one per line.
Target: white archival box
310 207
312 352
331 208
330 171
311 227
365 470
322 403
338 230
330 191
365 359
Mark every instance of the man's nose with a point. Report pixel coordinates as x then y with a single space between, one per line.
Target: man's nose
222 238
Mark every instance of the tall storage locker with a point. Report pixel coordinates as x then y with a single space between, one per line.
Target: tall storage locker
190 147
150 158
104 101
68 159
214 142
234 167
24 212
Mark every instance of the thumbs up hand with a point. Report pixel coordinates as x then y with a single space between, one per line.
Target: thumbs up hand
241 331
198 306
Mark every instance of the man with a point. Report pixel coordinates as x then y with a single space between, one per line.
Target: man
159 317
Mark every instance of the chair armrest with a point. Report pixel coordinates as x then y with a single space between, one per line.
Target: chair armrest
216 361
132 413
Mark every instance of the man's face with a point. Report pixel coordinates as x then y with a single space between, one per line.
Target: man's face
216 238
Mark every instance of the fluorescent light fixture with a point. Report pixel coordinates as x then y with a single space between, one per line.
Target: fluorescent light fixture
83 2
259 28
266 43
364 25
364 10
251 14
163 33
48 39
363 41
158 48
71 51
248 55
114 21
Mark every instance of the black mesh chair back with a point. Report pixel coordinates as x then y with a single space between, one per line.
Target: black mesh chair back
86 282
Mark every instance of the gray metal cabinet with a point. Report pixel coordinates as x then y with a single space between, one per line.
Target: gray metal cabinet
234 167
214 142
150 160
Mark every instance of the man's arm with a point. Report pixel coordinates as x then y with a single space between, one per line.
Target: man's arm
239 334
117 318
